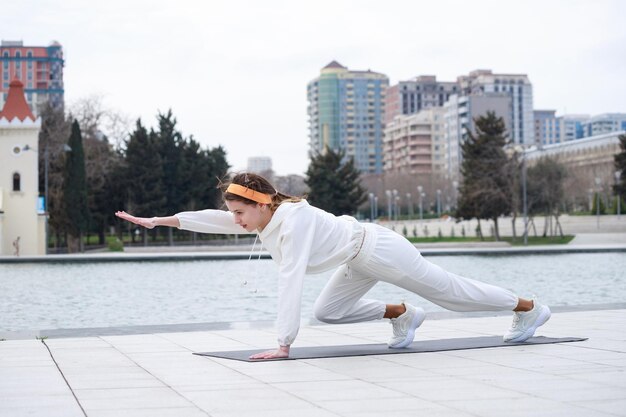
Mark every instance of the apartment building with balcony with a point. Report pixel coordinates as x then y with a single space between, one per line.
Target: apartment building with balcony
39 68
412 96
346 112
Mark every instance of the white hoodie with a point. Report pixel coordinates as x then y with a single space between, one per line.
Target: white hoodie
301 239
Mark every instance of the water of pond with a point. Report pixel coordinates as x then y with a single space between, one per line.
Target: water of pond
55 296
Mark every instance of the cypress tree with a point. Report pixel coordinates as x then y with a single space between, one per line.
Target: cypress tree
75 191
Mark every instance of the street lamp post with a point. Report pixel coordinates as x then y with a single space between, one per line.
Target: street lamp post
524 199
397 206
409 205
455 186
375 206
439 203
619 196
598 181
395 203
388 194
371 195
420 194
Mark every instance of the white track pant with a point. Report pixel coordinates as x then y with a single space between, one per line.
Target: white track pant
389 257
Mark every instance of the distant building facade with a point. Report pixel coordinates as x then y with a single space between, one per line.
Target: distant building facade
551 129
547 131
589 163
412 96
604 123
259 164
39 68
414 144
459 115
517 87
346 112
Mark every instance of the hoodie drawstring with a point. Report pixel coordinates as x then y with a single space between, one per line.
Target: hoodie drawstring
256 273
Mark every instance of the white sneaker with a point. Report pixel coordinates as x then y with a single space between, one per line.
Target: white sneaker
404 326
525 323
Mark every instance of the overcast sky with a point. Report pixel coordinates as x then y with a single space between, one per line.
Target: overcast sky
235 72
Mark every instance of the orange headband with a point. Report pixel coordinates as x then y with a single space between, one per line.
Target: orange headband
246 192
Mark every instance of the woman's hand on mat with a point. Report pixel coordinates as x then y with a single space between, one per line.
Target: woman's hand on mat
281 352
141 221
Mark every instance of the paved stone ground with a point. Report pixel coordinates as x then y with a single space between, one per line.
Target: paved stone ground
156 374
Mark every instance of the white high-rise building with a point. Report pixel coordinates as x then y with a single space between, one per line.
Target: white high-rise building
518 87
346 112
459 115
259 164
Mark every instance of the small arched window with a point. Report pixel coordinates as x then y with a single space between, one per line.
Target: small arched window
17 182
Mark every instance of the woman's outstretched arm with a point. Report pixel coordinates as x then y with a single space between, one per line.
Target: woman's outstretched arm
149 222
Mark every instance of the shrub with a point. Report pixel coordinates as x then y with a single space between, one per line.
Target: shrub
114 244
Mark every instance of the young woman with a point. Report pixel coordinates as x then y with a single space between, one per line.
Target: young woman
304 239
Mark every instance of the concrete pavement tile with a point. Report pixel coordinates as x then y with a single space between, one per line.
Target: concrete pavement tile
439 412
522 407
130 398
445 389
48 411
305 374
62 401
301 412
33 381
113 380
614 407
607 377
150 412
587 394
262 399
316 391
250 384
202 379
96 369
77 343
399 406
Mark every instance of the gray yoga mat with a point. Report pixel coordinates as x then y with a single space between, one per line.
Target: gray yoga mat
438 345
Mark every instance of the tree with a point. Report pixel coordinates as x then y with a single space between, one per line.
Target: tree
167 173
334 183
620 165
76 211
169 142
546 192
55 130
486 189
99 125
144 173
200 171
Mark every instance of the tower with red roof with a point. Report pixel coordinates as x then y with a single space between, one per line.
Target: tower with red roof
22 224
